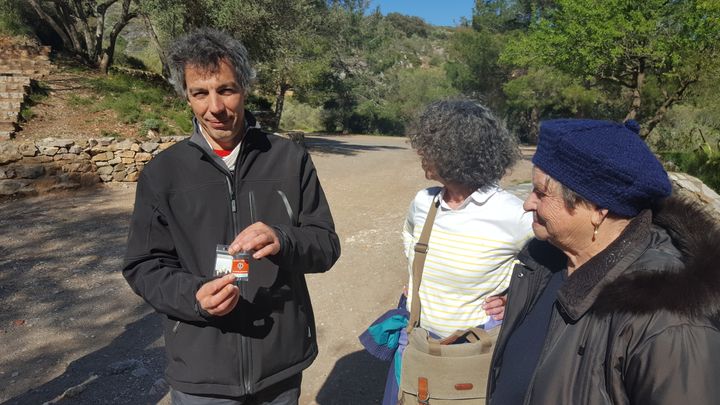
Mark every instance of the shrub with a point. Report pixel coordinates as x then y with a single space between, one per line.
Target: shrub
300 116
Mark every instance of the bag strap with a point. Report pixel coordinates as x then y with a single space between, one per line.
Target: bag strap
421 248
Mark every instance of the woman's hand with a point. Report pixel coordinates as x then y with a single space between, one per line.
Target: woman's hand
494 306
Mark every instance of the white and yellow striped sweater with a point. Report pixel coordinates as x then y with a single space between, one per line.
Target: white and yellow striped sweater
471 255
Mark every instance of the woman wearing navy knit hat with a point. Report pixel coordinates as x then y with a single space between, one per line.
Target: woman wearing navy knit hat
617 299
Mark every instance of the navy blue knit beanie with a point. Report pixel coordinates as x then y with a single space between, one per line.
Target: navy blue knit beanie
604 162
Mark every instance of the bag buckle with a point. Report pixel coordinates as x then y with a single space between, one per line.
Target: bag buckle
421 248
423 395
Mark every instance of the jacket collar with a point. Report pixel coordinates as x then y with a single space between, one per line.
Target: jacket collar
199 140
690 288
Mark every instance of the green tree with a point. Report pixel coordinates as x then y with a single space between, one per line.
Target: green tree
474 50
80 25
374 59
166 20
474 66
285 37
621 44
12 16
545 92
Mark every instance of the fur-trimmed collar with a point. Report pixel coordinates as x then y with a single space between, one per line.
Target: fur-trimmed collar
667 259
694 289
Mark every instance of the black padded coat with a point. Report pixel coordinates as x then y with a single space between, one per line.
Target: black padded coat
637 324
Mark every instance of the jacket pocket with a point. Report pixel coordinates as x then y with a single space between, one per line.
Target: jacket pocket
201 354
269 201
292 337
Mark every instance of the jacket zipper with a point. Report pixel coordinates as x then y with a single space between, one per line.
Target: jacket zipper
245 347
245 366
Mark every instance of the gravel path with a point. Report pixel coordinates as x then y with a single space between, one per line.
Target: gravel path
73 332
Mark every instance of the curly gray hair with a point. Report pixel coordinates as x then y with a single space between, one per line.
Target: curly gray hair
464 141
207 48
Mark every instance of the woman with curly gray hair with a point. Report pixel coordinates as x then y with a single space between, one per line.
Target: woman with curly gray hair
478 228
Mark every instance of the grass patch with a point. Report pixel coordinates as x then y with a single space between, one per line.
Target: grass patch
37 93
110 134
78 101
138 101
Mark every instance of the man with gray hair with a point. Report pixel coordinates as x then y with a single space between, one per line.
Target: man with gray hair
229 339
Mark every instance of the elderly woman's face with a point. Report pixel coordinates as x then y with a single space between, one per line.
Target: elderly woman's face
552 220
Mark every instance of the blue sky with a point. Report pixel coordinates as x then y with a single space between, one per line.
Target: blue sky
436 12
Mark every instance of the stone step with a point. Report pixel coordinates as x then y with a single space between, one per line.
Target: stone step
6 135
6 115
7 126
24 80
10 105
24 50
11 95
13 87
24 72
14 61
20 69
30 61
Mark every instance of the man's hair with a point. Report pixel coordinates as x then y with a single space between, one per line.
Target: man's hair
464 141
207 48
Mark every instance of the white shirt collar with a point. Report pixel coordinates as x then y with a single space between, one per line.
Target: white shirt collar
478 197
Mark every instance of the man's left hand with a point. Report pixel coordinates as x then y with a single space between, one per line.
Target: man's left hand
257 237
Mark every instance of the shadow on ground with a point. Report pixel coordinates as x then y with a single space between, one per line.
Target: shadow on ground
347 147
126 371
357 379
67 311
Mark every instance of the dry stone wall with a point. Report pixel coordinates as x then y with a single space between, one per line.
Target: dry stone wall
30 168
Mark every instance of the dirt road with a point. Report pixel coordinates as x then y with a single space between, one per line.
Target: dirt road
70 320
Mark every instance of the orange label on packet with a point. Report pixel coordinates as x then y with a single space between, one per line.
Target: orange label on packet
238 264
240 267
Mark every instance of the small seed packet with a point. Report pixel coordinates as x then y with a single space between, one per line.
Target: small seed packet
225 263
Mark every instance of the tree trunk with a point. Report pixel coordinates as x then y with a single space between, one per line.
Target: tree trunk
81 23
280 103
65 27
100 12
109 52
665 106
51 22
534 133
638 82
68 20
161 53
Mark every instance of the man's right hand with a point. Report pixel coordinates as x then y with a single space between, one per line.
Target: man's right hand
218 297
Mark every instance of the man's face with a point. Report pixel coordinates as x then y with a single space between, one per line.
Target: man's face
218 103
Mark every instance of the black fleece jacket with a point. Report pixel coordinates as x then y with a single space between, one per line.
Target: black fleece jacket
187 202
